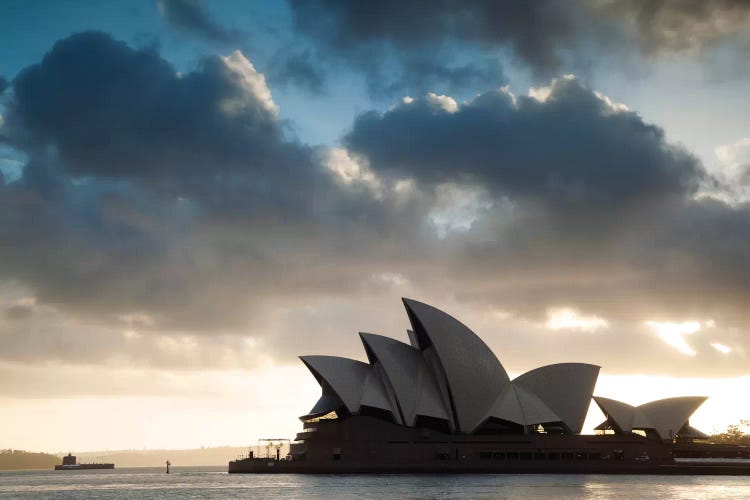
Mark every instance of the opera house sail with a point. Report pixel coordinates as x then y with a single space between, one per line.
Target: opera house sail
445 403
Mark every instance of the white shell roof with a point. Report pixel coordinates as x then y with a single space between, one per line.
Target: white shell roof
665 416
327 403
518 405
374 394
474 375
622 414
415 387
566 388
345 376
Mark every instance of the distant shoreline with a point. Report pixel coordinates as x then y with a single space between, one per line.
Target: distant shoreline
119 469
191 457
21 469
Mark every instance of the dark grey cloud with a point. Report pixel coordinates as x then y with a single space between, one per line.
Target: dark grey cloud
120 113
192 17
413 47
538 32
678 26
3 85
574 147
416 46
135 111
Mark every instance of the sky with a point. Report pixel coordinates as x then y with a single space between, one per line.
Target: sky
193 194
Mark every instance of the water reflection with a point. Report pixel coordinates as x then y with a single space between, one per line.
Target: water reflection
146 483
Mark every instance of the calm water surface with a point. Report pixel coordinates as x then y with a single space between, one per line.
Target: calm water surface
208 482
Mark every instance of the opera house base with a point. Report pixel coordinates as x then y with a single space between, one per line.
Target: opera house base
271 466
367 445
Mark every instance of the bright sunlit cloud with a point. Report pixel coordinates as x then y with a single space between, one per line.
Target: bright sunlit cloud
252 83
350 169
457 208
446 103
724 349
674 333
543 92
565 318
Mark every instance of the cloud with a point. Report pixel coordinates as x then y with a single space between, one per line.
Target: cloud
192 17
3 86
674 26
674 333
457 207
538 32
399 47
135 116
732 173
252 82
565 318
572 147
135 173
413 46
722 348
166 219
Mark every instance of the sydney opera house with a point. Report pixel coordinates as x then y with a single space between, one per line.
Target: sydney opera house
444 402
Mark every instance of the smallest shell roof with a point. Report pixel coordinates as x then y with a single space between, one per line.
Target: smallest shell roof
665 416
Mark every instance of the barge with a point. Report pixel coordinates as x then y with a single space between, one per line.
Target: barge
70 463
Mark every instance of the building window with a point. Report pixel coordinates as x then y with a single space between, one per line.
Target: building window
331 415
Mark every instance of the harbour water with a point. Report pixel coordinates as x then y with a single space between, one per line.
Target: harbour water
214 482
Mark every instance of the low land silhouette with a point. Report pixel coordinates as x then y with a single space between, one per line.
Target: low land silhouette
219 455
